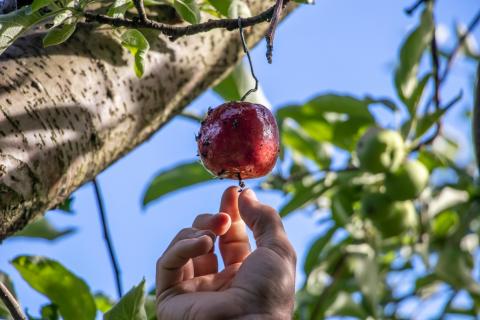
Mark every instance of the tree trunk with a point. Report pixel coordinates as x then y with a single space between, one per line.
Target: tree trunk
67 112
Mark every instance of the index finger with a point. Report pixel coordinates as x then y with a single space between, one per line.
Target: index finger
234 244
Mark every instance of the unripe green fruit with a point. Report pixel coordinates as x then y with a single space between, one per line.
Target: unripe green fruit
402 217
380 150
391 218
408 181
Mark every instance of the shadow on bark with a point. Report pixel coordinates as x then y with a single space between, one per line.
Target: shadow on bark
59 142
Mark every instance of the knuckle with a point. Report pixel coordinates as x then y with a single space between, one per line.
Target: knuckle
201 219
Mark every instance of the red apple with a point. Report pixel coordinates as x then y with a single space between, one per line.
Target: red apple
239 140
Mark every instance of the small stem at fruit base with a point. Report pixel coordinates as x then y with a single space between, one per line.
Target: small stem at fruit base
245 49
107 237
241 184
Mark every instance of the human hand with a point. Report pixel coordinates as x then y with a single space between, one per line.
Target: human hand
253 285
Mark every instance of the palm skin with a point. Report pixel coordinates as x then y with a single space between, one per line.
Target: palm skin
253 285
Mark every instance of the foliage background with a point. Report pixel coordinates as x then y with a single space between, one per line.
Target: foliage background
343 46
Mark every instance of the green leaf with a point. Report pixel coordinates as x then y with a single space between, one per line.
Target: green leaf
237 83
366 272
119 7
305 1
345 306
188 10
66 206
313 255
14 24
332 118
410 55
43 229
453 267
173 179
445 223
417 94
302 196
138 46
151 307
131 306
239 8
38 4
103 302
63 288
221 6
59 35
50 312
295 139
427 121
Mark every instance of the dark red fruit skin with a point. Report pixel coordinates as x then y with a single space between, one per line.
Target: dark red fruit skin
239 140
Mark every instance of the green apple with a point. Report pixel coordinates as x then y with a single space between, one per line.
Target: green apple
391 218
408 181
380 150
401 218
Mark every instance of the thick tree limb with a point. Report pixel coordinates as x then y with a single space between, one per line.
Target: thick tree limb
67 112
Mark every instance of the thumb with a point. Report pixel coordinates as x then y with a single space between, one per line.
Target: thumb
265 223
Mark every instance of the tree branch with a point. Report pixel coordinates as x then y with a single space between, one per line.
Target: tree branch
472 25
410 10
141 10
277 12
11 304
107 237
175 32
435 67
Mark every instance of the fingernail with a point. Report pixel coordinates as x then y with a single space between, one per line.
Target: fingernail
249 193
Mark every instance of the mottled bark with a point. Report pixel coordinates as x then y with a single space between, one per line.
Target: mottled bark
67 112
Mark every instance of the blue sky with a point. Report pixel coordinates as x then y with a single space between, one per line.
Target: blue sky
346 46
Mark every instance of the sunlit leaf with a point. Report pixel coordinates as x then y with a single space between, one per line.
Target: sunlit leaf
138 46
237 83
302 196
410 55
332 118
221 6
38 4
131 306
43 229
295 139
63 288
119 7
103 302
14 24
176 178
316 249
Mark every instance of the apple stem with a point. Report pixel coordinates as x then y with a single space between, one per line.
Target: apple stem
247 52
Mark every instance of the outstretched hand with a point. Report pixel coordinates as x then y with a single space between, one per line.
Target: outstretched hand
255 284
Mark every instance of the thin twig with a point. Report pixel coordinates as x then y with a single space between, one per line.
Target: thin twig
277 12
461 41
142 15
175 32
438 127
472 25
245 49
435 68
107 237
410 10
11 304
